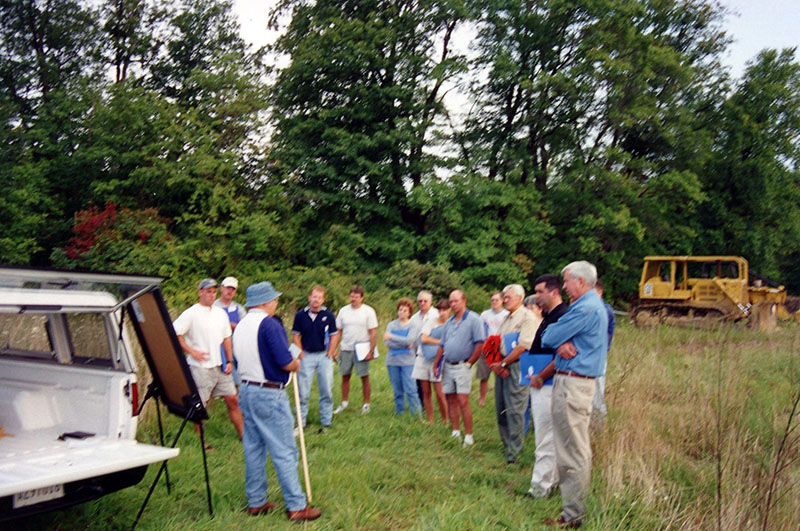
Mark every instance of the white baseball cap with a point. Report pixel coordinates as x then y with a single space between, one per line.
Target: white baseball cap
230 282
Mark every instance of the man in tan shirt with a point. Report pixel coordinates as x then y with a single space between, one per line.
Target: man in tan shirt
517 332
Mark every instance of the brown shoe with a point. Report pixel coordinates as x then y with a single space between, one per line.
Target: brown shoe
309 513
563 524
264 509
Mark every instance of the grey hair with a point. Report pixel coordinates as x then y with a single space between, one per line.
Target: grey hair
426 293
581 269
516 288
530 299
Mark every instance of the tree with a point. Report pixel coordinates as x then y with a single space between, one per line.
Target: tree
752 183
355 108
48 68
131 26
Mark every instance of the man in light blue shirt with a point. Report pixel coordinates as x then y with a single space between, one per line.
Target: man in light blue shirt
580 338
461 345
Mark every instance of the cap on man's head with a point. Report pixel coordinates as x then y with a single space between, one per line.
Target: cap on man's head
260 293
207 283
230 282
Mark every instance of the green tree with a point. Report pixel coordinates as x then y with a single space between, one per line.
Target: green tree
356 107
753 184
48 70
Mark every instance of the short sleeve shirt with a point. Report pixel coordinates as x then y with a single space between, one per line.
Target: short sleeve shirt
522 321
355 325
460 336
203 328
493 320
261 348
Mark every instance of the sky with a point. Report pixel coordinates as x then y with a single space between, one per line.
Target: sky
752 24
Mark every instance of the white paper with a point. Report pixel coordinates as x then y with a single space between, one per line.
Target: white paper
362 350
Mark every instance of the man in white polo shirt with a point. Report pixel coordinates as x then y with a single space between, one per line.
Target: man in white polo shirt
201 329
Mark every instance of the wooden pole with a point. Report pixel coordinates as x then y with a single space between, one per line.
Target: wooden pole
302 436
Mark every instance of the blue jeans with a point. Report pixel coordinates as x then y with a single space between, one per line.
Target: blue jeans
403 384
321 364
268 426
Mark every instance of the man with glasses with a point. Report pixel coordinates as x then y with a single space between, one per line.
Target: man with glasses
423 322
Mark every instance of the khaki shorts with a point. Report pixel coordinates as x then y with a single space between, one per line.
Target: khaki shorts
212 382
423 370
482 371
456 379
346 361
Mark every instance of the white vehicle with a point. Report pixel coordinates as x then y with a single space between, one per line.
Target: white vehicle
68 389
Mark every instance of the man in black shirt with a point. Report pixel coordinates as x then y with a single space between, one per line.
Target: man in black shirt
545 475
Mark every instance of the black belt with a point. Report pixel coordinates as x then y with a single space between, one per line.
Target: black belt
455 362
574 374
267 384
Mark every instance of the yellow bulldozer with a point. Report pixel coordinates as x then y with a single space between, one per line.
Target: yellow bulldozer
703 290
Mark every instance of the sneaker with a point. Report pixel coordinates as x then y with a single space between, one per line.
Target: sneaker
456 434
309 513
323 430
468 440
340 408
538 492
365 409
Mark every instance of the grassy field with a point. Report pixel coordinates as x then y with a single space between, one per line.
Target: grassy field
695 429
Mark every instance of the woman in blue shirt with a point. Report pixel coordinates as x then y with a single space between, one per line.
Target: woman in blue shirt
399 338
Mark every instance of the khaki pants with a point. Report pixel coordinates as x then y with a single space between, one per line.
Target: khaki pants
572 408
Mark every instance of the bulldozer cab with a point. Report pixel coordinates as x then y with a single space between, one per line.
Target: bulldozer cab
701 279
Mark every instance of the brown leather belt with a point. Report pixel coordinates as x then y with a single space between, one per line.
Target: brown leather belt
575 374
267 384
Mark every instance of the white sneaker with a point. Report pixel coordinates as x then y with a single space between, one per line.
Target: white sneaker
456 434
365 409
341 407
468 440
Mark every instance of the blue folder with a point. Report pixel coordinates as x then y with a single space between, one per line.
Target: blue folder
531 364
403 332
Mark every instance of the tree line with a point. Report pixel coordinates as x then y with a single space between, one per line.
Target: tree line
148 137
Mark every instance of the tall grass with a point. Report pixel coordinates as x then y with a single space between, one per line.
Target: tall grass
701 434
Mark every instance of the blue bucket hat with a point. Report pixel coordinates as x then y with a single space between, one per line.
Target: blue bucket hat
260 293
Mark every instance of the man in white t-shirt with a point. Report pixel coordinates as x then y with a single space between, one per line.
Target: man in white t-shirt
356 323
492 318
201 329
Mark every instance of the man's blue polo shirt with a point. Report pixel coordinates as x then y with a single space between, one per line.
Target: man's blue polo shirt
459 337
314 333
586 325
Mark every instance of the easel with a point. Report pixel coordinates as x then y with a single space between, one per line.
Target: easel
194 412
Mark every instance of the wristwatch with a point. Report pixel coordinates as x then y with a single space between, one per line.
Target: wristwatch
503 364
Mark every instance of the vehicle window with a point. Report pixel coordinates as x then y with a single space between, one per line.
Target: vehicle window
89 338
25 335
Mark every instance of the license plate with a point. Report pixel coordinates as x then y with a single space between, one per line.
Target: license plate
31 497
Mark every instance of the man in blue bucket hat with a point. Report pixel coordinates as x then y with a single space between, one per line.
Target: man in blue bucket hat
264 360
